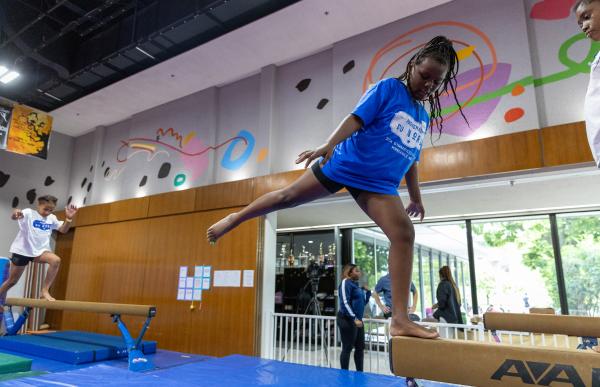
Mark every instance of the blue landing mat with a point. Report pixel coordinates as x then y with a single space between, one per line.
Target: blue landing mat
162 359
233 370
72 347
115 344
65 351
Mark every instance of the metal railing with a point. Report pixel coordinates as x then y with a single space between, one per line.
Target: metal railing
314 340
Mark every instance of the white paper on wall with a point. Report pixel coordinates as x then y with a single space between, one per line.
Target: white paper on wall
227 278
248 278
183 271
197 296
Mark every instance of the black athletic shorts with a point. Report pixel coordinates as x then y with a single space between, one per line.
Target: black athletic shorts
332 185
21 260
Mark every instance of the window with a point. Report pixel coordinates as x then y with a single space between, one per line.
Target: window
443 244
515 267
579 236
363 255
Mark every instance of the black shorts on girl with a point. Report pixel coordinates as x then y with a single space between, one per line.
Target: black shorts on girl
21 260
332 185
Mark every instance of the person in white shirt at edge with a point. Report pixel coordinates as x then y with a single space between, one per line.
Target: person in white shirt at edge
588 18
33 242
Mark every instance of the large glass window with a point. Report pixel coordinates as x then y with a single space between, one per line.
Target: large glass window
443 244
416 278
315 245
382 253
515 267
579 236
363 254
294 292
426 297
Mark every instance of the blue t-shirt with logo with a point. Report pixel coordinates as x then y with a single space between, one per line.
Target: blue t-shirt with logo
377 156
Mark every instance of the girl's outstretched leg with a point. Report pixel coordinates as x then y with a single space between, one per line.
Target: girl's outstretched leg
306 189
388 213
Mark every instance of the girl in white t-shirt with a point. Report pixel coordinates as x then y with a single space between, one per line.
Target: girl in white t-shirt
588 18
33 242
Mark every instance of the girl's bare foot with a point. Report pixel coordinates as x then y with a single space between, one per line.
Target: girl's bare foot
46 295
220 228
409 328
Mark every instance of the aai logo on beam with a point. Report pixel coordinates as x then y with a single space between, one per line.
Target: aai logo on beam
543 374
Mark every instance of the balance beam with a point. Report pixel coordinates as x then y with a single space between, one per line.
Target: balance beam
136 358
543 323
481 364
82 306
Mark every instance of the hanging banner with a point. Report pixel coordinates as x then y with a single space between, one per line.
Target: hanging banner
29 132
4 124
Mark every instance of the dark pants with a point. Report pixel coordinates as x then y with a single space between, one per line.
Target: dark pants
352 337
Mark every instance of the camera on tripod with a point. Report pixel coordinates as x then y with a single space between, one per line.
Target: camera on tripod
315 270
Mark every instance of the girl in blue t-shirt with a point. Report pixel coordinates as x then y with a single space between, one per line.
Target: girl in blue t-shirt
369 153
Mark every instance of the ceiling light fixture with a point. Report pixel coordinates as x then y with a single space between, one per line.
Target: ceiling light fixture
7 76
50 95
145 53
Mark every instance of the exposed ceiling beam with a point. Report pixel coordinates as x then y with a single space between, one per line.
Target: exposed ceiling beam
39 11
31 24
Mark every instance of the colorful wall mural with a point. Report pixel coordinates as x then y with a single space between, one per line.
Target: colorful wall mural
523 65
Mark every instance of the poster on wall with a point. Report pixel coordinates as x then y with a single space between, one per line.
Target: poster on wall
4 124
29 132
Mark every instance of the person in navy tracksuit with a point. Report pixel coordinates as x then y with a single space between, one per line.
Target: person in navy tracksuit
352 301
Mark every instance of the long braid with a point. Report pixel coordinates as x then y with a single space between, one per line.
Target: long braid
439 48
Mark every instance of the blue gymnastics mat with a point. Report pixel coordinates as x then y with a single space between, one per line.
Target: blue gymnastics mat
235 370
62 350
73 347
115 344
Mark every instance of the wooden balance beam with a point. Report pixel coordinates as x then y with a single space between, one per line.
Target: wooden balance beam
137 360
543 323
83 306
481 364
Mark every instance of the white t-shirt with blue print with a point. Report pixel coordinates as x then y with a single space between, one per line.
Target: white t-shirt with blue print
376 157
34 234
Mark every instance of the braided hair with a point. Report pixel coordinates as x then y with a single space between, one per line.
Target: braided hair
439 48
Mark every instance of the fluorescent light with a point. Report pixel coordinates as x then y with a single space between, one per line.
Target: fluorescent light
3 70
144 52
52 96
11 76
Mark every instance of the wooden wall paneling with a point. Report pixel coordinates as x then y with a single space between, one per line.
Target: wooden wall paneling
226 322
85 280
565 144
224 195
171 245
64 245
171 203
124 264
266 184
89 215
128 209
506 153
